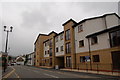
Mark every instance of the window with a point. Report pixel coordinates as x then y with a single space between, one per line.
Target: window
115 38
68 48
61 48
67 35
81 43
96 58
50 52
46 43
50 42
56 39
45 52
80 28
61 37
84 58
94 40
68 61
57 49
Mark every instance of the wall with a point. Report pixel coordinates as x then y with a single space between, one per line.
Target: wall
39 49
59 44
93 26
112 20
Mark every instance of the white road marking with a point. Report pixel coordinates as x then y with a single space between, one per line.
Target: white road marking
10 73
50 75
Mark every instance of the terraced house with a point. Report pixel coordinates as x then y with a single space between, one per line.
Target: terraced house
92 43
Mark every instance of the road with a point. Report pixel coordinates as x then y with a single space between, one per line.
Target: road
34 72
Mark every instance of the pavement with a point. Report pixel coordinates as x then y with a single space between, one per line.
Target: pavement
9 69
31 72
94 72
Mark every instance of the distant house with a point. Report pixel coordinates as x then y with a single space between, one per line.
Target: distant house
20 60
30 60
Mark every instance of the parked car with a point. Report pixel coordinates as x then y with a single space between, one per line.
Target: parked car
18 63
13 63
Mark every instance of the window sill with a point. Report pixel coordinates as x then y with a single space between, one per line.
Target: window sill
96 62
81 46
95 44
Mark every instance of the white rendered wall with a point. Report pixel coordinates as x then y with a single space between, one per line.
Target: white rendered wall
46 48
93 26
59 44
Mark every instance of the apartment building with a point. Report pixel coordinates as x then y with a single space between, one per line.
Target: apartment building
89 44
94 42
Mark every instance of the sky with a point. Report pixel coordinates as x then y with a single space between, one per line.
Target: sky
29 18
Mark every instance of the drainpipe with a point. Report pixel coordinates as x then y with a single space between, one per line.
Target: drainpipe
105 22
90 53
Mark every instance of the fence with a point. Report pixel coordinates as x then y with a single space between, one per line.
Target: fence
96 67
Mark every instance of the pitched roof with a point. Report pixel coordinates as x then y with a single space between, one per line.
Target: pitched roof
59 33
95 18
69 21
38 37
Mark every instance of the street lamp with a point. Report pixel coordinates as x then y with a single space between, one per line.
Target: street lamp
11 28
6 60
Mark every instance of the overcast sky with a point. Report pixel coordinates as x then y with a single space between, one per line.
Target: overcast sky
31 18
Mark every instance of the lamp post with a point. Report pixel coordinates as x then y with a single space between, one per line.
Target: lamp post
7 36
6 60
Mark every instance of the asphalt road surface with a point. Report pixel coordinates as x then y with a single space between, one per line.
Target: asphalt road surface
34 72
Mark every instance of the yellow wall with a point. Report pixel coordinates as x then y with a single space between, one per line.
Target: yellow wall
72 54
105 59
39 49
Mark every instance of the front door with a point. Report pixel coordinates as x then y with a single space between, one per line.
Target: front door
116 60
68 61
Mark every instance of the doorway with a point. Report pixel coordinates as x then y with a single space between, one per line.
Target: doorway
116 60
68 62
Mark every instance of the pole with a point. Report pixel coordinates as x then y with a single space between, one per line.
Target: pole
6 60
6 42
90 53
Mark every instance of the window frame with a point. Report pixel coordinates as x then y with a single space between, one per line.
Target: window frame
81 57
117 35
67 35
61 48
95 41
98 60
68 48
80 28
82 43
57 49
56 39
45 52
61 37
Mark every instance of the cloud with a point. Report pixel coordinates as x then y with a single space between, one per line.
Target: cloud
31 18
